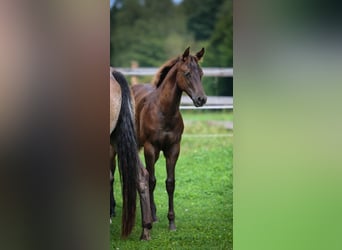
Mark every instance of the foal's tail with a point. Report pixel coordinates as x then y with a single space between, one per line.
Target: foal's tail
127 150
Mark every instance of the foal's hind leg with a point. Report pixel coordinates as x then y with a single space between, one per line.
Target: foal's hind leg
171 156
112 171
151 156
146 218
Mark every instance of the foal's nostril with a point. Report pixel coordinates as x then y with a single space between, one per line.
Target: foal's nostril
201 100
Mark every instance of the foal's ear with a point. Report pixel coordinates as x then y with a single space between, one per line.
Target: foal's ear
186 53
200 54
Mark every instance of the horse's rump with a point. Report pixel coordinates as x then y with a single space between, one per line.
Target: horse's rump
115 102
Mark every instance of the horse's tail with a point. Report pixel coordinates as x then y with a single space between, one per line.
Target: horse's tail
125 140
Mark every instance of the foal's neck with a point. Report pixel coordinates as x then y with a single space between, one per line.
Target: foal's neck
169 95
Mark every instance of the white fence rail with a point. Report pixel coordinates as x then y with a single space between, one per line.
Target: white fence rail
141 71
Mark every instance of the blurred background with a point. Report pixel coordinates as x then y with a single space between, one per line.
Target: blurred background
54 115
149 32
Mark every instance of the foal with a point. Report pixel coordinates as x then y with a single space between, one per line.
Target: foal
159 122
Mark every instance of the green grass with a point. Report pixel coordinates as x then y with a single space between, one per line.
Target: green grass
203 195
205 115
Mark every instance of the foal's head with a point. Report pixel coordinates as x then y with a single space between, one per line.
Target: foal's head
189 75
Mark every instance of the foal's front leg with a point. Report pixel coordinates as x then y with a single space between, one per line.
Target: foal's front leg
171 156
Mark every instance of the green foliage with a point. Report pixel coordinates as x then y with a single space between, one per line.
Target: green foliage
220 51
201 17
221 41
203 194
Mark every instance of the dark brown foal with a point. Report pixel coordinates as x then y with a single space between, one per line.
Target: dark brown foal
159 122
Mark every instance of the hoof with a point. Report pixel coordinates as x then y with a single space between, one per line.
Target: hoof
145 235
172 226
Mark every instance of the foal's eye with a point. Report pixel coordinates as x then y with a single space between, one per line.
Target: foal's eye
187 74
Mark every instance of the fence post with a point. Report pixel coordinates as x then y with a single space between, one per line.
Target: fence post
134 79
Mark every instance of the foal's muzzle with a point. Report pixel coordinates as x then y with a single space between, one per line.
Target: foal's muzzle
199 101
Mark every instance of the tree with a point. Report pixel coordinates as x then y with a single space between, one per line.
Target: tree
220 48
201 17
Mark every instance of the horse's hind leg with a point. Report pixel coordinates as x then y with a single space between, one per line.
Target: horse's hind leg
171 156
146 218
112 171
151 156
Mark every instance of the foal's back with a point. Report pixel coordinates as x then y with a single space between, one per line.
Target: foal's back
141 91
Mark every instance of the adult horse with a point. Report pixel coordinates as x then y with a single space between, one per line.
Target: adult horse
123 142
159 121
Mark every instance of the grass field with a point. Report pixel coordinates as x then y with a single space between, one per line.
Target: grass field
203 194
